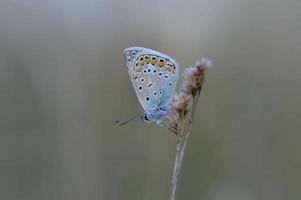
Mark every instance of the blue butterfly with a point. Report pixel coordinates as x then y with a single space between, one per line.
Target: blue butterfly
154 77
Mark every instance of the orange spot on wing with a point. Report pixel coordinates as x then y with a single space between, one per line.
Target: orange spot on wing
134 76
161 62
138 68
153 60
169 68
147 59
141 60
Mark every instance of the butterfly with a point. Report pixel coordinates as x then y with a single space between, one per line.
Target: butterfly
154 76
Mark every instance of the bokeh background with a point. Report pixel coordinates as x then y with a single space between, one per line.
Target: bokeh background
63 82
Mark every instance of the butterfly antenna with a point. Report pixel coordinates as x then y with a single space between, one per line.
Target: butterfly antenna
121 123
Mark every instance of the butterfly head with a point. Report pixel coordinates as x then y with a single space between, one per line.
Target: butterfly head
146 118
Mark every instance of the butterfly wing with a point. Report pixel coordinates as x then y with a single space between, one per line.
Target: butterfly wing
154 76
130 54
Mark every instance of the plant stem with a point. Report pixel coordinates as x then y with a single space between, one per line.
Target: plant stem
182 137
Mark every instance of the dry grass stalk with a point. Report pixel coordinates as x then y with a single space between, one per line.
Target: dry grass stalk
182 112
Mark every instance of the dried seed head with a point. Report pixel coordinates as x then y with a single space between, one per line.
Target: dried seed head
193 78
204 64
173 121
181 103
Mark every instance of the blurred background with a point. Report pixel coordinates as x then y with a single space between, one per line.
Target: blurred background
63 82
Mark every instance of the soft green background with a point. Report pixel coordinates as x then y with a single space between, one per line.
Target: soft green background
63 82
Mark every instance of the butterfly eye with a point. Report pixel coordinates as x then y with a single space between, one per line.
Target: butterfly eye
160 73
146 118
147 98
155 93
147 60
161 62
140 87
166 76
154 71
142 79
153 60
170 84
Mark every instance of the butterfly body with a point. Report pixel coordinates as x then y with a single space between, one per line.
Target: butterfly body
154 76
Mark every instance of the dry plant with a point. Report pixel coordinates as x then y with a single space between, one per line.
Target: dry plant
182 112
